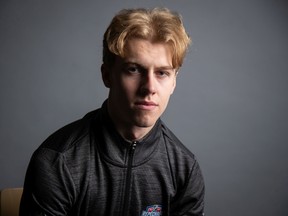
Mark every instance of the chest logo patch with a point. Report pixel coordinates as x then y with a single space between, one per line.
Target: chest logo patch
152 210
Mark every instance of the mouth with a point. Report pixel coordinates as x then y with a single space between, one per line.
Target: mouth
145 105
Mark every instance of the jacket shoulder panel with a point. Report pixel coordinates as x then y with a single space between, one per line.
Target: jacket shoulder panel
70 135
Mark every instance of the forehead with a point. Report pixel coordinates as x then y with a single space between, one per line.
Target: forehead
148 53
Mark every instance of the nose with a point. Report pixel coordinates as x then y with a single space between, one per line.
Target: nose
148 83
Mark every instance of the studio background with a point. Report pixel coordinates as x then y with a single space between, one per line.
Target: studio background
230 107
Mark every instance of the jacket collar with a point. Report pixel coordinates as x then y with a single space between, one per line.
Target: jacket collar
115 148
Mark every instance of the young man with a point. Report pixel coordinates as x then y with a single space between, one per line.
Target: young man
121 159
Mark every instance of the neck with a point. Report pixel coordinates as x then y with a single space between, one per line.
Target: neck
128 131
133 134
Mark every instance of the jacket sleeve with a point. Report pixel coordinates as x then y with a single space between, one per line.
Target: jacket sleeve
48 187
190 199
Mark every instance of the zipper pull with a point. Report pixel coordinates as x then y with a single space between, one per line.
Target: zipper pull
134 144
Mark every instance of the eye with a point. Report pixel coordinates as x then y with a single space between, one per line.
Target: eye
163 73
133 69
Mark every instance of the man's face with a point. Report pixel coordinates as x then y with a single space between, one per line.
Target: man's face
140 84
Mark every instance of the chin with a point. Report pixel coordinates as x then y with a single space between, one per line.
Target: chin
145 119
144 125
144 122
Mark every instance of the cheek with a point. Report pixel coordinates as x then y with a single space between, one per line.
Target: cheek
170 87
173 86
166 93
126 87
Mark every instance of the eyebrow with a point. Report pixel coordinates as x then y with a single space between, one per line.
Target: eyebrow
144 67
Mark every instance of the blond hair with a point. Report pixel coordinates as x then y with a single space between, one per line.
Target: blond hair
156 25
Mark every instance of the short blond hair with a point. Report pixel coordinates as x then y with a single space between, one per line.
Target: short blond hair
156 25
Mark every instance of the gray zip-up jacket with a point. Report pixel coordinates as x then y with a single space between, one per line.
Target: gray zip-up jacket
87 168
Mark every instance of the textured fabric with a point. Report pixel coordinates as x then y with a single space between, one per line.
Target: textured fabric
86 168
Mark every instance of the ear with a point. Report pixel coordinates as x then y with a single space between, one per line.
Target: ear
106 75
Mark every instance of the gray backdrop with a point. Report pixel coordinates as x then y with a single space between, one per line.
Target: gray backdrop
230 106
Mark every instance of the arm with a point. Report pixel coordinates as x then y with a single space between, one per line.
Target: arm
48 187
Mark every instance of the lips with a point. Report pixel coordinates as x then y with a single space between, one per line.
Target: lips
146 105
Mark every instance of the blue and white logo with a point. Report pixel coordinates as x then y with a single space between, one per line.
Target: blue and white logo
152 210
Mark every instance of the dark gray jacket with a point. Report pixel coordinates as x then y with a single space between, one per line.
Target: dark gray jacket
86 168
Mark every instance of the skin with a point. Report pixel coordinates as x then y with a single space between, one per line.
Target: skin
140 85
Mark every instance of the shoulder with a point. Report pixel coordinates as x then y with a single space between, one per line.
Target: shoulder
62 157
70 135
175 146
183 163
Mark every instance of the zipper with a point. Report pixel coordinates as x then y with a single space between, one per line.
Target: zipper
128 178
